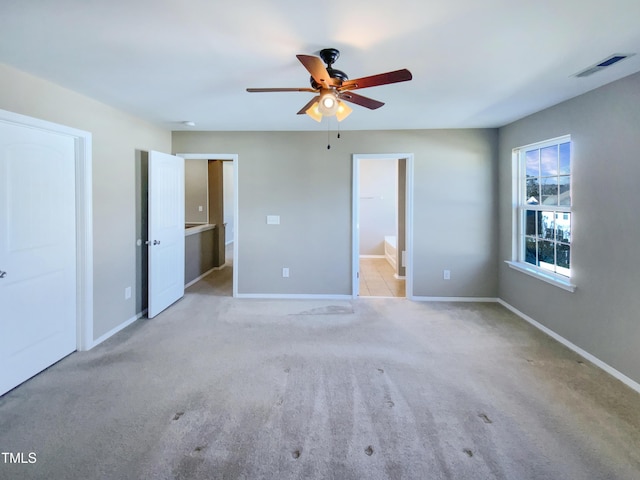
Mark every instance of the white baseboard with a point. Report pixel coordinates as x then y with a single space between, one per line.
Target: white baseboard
207 273
372 256
197 279
293 296
583 353
115 330
399 277
455 299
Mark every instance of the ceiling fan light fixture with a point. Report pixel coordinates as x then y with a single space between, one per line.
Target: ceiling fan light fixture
328 103
344 111
314 112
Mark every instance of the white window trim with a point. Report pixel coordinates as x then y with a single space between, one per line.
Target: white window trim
517 224
549 277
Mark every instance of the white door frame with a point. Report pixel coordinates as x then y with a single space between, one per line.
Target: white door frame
84 219
233 157
355 227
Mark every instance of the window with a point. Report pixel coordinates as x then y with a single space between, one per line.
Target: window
543 210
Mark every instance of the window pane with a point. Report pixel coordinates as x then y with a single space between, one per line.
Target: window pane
563 227
546 225
565 155
546 255
565 190
530 222
533 195
545 181
549 161
562 253
530 251
549 187
533 166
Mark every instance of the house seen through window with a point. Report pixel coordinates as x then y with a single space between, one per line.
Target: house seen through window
544 206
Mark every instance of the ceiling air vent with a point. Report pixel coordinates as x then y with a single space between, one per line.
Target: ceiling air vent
607 62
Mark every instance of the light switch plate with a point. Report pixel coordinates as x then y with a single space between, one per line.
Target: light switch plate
273 219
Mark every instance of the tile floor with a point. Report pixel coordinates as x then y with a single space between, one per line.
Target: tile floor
377 280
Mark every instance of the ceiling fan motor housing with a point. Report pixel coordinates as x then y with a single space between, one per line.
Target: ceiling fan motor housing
333 73
329 56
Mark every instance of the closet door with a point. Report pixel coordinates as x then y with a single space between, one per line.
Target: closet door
37 251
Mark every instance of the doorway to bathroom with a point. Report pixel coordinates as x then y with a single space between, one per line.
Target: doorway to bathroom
382 205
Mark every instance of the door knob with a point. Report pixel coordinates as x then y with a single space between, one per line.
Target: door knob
156 242
3 274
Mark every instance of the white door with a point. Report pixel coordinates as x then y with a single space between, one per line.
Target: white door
37 251
166 231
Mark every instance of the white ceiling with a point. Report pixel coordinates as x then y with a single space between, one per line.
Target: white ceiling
474 64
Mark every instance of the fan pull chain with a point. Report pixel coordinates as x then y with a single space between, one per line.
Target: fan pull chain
329 133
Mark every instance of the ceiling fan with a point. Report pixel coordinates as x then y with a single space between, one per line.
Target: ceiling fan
333 86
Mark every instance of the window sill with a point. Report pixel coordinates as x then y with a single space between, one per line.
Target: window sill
550 278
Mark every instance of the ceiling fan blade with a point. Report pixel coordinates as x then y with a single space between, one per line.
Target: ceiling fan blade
317 70
281 90
375 80
304 109
369 103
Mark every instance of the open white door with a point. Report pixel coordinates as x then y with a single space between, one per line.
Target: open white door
37 251
166 231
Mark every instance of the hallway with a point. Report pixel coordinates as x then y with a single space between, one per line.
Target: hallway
218 283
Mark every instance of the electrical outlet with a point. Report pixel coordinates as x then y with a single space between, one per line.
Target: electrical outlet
127 293
285 272
446 274
200 209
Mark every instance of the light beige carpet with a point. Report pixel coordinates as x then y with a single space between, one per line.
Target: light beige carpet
221 388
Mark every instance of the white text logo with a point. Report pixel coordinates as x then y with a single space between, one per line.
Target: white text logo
18 457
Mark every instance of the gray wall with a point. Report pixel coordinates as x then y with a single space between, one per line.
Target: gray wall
196 193
118 139
602 315
198 254
378 204
292 174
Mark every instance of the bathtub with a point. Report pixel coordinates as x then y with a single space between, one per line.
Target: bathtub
390 250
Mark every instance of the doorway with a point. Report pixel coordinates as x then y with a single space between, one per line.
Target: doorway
382 204
217 206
